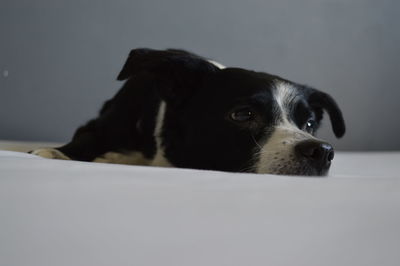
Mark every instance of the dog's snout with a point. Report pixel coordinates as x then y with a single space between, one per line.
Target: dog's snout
318 153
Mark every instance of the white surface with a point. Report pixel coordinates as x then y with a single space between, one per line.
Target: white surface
72 213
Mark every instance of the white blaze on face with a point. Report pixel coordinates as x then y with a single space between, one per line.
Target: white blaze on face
277 156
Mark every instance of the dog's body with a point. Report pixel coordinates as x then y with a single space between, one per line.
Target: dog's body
178 109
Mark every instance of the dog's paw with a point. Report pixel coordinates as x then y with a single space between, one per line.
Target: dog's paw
50 154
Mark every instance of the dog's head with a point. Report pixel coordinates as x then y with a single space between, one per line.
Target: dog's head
234 119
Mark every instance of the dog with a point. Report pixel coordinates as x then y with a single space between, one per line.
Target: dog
177 109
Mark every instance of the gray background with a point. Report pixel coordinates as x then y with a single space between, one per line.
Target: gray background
59 59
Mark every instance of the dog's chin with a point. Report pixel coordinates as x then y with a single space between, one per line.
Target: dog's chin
300 169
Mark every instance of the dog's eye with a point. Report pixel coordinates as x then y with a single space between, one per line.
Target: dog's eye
242 115
310 126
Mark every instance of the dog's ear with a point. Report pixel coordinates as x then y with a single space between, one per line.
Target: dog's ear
323 101
130 67
176 72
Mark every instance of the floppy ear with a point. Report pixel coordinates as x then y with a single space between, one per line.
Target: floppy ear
321 100
176 72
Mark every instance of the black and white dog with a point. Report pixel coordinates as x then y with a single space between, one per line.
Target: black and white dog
179 109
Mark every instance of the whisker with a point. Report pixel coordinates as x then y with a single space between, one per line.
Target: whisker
256 141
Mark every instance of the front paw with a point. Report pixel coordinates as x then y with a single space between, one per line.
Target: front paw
50 154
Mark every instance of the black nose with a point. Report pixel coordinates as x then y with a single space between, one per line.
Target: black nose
319 154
